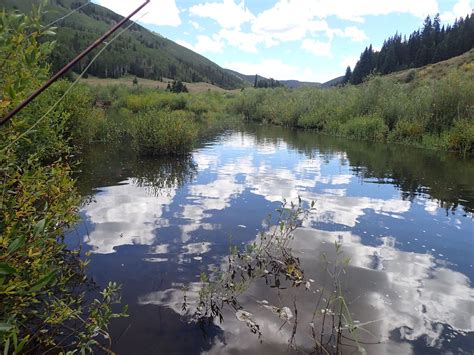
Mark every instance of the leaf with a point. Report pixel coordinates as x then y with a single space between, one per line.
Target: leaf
5 327
16 244
39 228
43 282
49 33
11 92
6 269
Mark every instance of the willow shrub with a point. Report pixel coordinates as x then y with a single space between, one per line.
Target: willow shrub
432 113
461 137
407 131
158 122
163 132
44 305
369 127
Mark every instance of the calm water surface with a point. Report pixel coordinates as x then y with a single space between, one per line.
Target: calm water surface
403 216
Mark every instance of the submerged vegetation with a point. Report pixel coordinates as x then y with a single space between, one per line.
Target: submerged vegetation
271 259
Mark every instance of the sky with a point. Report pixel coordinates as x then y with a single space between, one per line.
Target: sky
307 40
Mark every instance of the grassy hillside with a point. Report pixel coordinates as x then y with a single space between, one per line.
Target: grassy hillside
137 52
333 82
436 71
127 81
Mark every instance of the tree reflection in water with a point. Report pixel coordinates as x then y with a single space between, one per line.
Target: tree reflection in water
165 174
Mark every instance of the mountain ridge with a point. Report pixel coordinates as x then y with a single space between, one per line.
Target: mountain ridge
138 51
294 84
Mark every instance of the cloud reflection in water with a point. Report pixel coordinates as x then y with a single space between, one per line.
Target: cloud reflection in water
415 296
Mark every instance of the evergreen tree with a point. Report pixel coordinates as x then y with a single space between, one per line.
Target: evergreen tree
431 44
177 87
347 77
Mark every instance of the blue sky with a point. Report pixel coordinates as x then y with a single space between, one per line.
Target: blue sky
310 40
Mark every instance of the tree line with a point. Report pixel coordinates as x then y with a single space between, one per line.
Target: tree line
430 44
260 82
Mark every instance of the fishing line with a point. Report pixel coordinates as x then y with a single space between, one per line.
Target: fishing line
67 15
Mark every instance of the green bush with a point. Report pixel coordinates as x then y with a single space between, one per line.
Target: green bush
421 112
313 119
407 131
452 100
44 305
163 132
461 137
370 127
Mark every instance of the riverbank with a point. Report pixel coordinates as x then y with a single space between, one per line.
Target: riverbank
435 114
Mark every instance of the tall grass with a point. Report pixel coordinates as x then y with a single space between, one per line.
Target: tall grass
157 122
163 132
435 114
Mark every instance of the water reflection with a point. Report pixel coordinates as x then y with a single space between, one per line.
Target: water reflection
164 174
130 211
407 300
404 219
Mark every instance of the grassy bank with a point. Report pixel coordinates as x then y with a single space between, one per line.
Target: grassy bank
156 122
435 113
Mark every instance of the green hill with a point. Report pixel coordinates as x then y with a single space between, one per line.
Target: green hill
294 84
430 44
137 52
437 71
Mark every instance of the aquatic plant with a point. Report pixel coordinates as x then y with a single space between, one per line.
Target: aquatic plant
163 132
272 259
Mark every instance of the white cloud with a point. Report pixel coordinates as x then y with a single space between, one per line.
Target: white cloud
356 10
287 21
290 20
317 48
158 12
196 25
460 9
227 14
352 32
246 42
205 44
